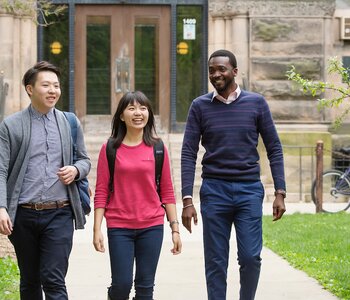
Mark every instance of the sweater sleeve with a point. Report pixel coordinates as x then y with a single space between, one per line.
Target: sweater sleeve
189 151
4 163
102 180
83 163
273 145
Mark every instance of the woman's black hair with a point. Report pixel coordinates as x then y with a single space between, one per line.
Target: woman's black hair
119 127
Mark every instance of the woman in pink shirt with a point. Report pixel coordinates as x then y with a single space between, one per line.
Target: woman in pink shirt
133 211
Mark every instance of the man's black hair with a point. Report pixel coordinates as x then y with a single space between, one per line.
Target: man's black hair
229 54
30 76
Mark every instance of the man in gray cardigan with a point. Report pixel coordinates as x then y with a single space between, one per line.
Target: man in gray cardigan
38 196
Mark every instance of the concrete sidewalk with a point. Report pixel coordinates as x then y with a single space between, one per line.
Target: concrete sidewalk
182 277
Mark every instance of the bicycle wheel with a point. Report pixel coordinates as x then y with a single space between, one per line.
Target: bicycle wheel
336 191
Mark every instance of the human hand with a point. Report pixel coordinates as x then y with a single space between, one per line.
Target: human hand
188 213
67 174
5 222
98 241
278 207
176 242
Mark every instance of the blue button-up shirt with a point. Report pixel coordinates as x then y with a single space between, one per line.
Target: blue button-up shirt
41 182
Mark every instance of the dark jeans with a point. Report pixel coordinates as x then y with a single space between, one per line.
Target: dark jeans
125 246
225 203
43 242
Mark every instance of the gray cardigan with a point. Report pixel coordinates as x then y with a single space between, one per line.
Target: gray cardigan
15 134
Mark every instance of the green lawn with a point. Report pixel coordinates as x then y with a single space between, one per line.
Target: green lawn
318 244
9 279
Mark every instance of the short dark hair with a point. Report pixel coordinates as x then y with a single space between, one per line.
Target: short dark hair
229 54
30 76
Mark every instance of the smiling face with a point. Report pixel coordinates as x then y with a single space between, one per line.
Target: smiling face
135 116
222 75
45 91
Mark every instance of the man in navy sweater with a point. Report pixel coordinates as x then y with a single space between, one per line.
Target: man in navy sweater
228 123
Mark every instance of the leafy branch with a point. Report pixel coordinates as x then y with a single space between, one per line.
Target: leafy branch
33 8
315 88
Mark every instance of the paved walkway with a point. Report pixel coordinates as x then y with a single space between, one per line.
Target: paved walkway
182 277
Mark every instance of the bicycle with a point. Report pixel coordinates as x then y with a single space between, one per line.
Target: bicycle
336 191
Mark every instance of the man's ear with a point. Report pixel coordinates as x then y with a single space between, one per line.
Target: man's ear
235 72
29 89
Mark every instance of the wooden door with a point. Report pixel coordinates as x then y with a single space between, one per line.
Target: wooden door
120 48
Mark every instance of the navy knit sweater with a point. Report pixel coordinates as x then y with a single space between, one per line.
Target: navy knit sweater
229 134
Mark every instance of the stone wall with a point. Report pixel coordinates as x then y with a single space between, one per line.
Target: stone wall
270 36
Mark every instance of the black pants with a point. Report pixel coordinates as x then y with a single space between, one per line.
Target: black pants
43 242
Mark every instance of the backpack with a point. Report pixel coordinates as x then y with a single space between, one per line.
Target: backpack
158 151
82 184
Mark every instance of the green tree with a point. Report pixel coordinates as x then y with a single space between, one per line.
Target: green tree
32 9
315 88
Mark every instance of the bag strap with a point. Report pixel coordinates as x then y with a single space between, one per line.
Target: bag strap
111 154
73 129
158 151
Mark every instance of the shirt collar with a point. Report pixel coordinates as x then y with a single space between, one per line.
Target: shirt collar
232 97
38 115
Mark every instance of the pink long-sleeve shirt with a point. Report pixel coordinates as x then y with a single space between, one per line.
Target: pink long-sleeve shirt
135 202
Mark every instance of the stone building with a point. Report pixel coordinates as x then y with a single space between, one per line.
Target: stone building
267 37
270 36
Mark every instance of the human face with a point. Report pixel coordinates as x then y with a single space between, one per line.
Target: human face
45 91
222 75
135 116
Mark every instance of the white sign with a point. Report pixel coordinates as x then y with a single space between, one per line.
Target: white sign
189 29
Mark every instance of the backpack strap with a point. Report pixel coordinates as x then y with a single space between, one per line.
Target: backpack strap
158 150
73 129
111 152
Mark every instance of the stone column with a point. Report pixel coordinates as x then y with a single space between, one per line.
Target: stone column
217 37
16 62
6 56
328 51
228 33
18 45
27 53
219 33
240 46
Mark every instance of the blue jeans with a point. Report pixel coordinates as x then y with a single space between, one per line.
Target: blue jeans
225 203
43 242
126 246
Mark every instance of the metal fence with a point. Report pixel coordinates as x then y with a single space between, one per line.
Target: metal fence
3 93
341 159
300 169
300 166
